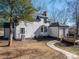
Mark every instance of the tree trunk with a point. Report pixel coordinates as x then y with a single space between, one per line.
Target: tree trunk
77 30
10 33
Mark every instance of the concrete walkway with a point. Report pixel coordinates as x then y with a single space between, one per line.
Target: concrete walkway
68 54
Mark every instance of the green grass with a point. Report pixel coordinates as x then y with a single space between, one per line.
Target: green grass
72 49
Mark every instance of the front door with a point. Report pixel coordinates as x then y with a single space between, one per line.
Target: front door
22 32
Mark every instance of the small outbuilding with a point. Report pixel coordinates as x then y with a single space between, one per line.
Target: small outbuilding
6 26
6 29
58 30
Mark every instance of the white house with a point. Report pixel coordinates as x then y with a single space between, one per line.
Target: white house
28 29
40 27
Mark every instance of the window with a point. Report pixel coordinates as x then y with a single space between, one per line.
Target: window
43 29
22 30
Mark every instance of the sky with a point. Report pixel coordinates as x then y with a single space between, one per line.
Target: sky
57 10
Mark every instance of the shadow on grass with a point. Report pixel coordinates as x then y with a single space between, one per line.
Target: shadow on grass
45 38
3 39
3 42
64 44
4 46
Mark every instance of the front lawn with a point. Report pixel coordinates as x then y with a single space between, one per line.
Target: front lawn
29 49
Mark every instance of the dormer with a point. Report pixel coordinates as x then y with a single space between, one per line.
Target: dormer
43 18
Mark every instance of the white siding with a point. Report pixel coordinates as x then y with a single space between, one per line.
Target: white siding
34 29
31 29
57 32
53 31
17 30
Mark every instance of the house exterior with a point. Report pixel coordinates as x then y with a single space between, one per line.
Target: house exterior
54 30
31 29
28 29
58 30
40 27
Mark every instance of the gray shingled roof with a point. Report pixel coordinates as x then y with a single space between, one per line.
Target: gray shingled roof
63 25
56 24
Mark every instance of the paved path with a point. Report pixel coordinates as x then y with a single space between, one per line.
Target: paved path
68 54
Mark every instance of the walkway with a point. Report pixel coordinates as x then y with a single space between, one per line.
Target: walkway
68 54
